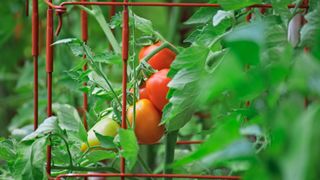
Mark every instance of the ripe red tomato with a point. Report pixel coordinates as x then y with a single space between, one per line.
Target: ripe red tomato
160 60
143 93
147 122
157 88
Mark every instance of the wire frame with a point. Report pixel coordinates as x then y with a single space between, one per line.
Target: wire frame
60 9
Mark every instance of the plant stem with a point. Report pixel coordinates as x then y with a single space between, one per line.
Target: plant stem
150 55
171 141
67 146
171 46
98 15
174 20
144 165
98 70
87 10
107 31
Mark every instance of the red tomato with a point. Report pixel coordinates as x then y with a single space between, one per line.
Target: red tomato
157 88
160 60
143 93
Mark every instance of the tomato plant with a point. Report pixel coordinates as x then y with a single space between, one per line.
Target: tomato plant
257 80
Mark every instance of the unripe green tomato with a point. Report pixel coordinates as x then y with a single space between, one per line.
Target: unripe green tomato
106 127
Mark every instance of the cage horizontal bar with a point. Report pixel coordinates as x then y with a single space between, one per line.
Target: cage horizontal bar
164 4
147 175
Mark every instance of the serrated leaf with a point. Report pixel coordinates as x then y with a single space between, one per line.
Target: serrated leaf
76 49
201 16
107 58
105 141
32 163
226 133
70 120
185 73
143 25
129 145
7 150
221 16
94 77
49 125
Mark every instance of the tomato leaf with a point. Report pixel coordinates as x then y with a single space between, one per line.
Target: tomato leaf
186 73
7 150
99 155
201 16
129 145
31 164
49 125
297 159
144 25
221 16
70 120
106 141
226 133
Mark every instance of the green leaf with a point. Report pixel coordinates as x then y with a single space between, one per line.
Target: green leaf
105 141
236 4
107 58
32 163
66 41
296 162
201 16
237 156
99 155
281 7
129 145
70 120
246 39
221 16
226 133
7 150
48 126
186 73
305 75
143 25
95 78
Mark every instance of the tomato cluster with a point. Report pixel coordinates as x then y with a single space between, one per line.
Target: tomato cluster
149 107
152 96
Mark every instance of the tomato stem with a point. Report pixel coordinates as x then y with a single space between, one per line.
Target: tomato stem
98 70
98 15
171 141
174 21
67 146
144 165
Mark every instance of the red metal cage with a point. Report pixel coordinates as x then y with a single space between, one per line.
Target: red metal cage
60 9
